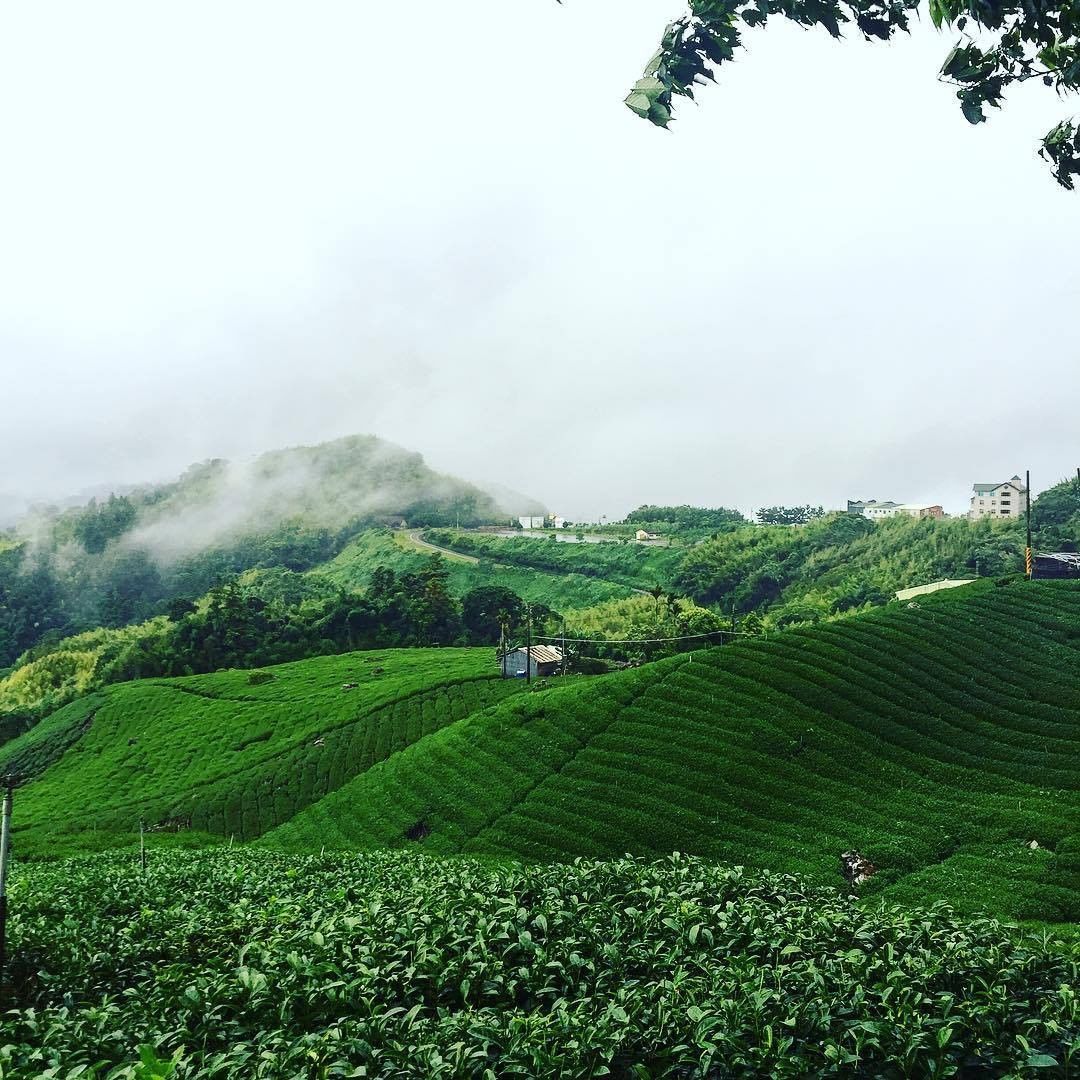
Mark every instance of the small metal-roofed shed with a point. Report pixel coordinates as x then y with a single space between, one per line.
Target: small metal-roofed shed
539 660
1059 564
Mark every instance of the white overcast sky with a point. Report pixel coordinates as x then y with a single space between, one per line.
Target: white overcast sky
228 227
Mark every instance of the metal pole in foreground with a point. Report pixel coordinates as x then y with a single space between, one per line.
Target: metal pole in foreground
5 852
1028 564
528 644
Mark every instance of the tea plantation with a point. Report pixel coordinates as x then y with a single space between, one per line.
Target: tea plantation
939 739
233 753
438 883
261 965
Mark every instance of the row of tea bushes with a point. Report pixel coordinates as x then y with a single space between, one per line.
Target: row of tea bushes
261 965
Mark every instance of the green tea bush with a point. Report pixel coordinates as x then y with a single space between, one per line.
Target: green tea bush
242 964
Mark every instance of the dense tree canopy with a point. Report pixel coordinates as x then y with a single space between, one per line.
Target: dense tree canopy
692 517
1002 42
789 515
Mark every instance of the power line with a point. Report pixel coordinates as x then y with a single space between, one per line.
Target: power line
645 641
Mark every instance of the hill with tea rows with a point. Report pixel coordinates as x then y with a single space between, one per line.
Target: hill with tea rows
940 739
235 753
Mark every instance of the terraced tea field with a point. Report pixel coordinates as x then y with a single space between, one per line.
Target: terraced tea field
233 753
940 739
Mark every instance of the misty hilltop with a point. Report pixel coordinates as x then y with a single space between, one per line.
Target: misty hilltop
341 485
117 559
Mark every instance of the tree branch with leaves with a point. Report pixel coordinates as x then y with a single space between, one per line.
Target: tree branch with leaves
1003 42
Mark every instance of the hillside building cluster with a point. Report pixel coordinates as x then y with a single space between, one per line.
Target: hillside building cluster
876 511
1001 499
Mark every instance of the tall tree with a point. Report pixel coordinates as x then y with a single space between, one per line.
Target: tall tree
1002 43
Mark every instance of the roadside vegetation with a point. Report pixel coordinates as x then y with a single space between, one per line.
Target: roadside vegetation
622 561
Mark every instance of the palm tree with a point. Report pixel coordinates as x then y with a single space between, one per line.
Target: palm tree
656 592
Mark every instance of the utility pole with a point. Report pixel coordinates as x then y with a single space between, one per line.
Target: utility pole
528 643
5 853
563 644
504 622
1029 565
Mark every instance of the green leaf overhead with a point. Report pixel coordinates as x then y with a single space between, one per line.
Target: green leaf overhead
1019 40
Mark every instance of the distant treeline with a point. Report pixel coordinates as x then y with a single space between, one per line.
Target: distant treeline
688 517
272 619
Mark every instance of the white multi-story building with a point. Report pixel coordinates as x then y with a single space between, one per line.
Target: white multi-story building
875 510
1004 499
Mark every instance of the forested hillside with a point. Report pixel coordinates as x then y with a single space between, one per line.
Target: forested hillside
842 562
119 561
782 574
380 591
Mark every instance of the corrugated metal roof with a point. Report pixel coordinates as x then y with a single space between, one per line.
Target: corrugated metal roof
542 654
1070 558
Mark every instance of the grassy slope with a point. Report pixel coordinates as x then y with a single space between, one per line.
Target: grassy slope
352 568
638 566
939 739
227 756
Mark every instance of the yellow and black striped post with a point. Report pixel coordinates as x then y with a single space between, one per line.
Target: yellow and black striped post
1028 566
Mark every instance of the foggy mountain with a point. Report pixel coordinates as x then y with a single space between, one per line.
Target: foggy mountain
334 486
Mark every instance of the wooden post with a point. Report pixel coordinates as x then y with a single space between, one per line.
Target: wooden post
5 854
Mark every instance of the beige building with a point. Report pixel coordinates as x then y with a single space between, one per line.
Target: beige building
921 510
1005 499
876 511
